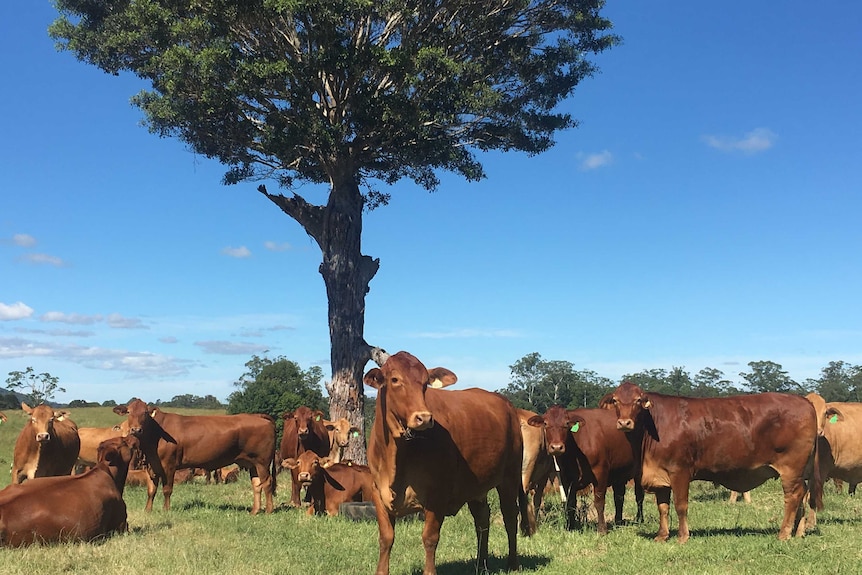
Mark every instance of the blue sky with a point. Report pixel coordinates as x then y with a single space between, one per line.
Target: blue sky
705 213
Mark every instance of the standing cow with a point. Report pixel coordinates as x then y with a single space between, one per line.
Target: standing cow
304 430
536 468
48 444
738 442
171 441
436 450
340 431
70 507
590 450
92 437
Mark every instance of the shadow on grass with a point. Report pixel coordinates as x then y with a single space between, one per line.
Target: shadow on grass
495 565
726 531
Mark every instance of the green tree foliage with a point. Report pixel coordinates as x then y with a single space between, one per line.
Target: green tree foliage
710 382
38 388
839 381
769 376
537 384
345 93
273 386
194 402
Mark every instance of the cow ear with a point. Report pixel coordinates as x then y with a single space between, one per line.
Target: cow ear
327 462
154 412
441 377
646 402
61 415
290 463
27 409
607 402
374 378
121 410
287 415
329 425
575 421
536 421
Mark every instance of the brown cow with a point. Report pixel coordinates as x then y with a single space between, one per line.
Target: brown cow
330 484
47 445
536 467
436 450
171 441
839 448
303 431
92 437
70 507
738 442
340 431
590 450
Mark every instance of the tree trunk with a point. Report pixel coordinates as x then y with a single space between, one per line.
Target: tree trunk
337 228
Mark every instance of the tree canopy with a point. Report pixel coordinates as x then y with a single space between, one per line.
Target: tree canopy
349 94
39 388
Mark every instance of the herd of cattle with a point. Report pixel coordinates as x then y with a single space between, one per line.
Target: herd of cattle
434 450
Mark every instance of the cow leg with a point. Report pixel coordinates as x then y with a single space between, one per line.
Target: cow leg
386 534
431 537
481 512
639 499
600 489
509 504
662 501
152 486
295 488
680 503
794 492
255 487
619 502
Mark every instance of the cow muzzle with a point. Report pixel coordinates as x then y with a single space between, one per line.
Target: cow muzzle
625 424
43 437
556 449
420 421
304 478
136 431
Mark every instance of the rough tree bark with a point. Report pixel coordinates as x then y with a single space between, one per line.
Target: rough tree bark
337 229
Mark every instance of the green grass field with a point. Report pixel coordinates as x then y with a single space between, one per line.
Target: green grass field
209 530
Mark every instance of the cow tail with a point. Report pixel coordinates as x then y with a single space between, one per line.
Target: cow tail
273 472
527 529
815 501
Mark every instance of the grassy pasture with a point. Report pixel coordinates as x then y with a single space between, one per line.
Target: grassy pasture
209 530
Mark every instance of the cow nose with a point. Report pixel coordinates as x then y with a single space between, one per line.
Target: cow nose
625 424
41 437
304 478
136 431
420 420
556 448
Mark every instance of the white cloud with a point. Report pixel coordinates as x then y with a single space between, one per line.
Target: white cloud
757 140
44 259
595 161
240 252
24 240
231 348
18 310
115 320
277 247
73 318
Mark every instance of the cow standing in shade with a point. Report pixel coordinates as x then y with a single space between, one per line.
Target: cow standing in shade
590 450
738 442
436 450
303 431
48 444
70 507
171 441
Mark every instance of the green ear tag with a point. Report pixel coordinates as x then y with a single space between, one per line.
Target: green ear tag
317 418
576 427
355 434
834 418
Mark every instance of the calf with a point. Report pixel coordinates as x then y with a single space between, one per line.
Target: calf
435 450
171 441
590 450
738 442
330 484
340 431
71 507
303 431
48 444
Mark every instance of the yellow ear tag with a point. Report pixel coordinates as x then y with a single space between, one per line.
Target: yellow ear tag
834 418
576 427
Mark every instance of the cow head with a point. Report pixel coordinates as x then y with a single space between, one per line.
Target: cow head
342 431
139 415
558 424
401 383
42 419
306 419
629 401
309 466
118 451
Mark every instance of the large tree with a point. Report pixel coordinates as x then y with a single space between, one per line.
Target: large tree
349 94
